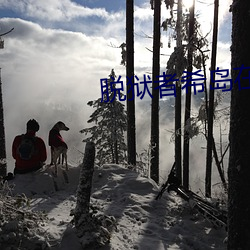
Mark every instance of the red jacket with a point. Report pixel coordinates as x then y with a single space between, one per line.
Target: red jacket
55 139
37 159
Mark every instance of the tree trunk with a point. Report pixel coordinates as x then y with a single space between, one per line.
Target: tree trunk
94 231
116 152
188 100
3 162
131 130
218 164
211 104
81 215
115 139
178 97
239 160
154 169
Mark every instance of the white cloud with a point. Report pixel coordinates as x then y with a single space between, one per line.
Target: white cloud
46 72
143 13
58 60
51 73
53 10
205 12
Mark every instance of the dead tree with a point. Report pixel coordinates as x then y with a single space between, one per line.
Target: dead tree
84 186
94 231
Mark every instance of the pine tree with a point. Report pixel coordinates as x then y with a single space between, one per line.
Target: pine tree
110 121
186 55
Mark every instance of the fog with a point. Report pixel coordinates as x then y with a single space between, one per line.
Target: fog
49 74
198 143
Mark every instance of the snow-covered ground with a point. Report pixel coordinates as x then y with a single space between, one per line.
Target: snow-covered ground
141 221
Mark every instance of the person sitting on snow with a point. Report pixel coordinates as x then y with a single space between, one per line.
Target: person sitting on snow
29 150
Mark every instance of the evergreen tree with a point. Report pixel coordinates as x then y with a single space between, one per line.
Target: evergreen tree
186 55
110 121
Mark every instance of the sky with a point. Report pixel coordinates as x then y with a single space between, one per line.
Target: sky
59 50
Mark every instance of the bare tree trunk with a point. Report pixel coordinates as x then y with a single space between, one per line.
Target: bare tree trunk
81 215
211 104
116 152
154 169
3 162
239 160
93 231
115 140
178 97
131 130
188 100
216 158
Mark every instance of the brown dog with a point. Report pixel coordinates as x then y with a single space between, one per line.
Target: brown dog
58 146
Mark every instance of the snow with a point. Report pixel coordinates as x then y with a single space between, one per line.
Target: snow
141 221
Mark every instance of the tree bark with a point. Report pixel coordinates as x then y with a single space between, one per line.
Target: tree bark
3 162
131 128
211 105
239 159
83 193
218 164
188 100
115 139
154 169
178 157
93 229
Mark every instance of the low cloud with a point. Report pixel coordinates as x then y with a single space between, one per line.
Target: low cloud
50 73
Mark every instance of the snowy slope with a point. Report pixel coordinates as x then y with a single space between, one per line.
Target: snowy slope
141 221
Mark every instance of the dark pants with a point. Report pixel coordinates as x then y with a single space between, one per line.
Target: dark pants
25 171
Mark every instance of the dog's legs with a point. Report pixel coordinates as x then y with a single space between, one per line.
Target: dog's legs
63 157
57 152
51 156
66 161
59 159
55 158
56 170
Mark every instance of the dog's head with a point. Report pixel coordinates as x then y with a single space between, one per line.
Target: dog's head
61 126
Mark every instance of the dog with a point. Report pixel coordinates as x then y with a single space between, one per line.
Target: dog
58 146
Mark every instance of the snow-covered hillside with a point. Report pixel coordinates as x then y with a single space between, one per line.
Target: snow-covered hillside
141 221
